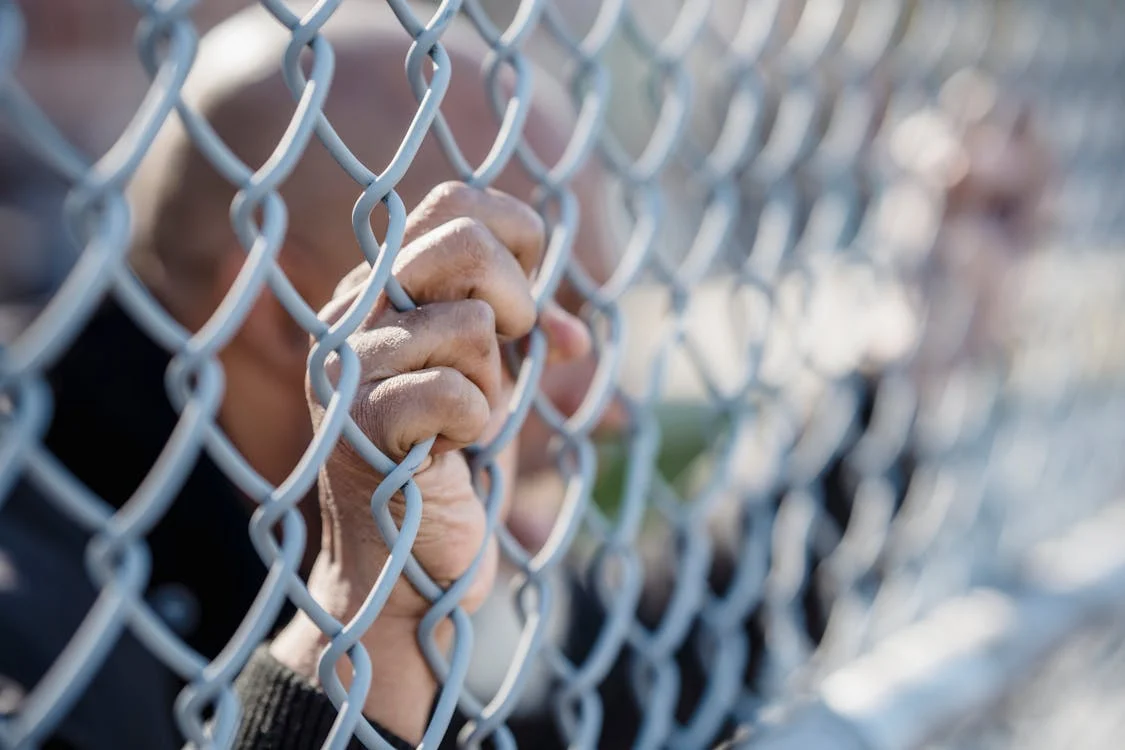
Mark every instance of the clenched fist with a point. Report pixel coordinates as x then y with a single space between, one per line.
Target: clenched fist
433 371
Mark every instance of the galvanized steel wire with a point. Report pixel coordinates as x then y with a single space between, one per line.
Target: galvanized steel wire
785 173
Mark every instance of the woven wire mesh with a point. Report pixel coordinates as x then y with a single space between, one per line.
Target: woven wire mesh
774 294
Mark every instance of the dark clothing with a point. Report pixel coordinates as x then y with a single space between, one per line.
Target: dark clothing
282 711
111 421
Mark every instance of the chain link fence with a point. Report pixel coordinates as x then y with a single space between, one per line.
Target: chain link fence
857 514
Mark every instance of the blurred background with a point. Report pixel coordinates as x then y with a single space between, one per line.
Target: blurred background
80 66
807 267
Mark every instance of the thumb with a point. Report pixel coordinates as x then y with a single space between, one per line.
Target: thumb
568 338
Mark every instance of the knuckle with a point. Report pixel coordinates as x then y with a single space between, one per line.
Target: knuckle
411 321
470 230
474 244
451 195
335 308
352 279
460 399
476 319
450 387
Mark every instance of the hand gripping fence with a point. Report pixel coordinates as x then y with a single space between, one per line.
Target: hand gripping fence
760 166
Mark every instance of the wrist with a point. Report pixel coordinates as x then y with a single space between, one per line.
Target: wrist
402 686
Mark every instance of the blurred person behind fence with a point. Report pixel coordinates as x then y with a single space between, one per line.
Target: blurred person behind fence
112 416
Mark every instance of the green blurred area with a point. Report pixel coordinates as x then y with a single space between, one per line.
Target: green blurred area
687 429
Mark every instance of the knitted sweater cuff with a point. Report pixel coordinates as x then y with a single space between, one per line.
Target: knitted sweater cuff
281 710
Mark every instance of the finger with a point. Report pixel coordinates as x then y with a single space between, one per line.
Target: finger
512 222
460 335
349 288
353 279
462 259
400 412
568 338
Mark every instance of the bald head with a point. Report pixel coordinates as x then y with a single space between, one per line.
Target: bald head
182 203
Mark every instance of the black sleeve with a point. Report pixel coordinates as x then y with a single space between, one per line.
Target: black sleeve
281 710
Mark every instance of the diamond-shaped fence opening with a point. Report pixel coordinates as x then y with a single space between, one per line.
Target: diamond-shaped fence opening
841 468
